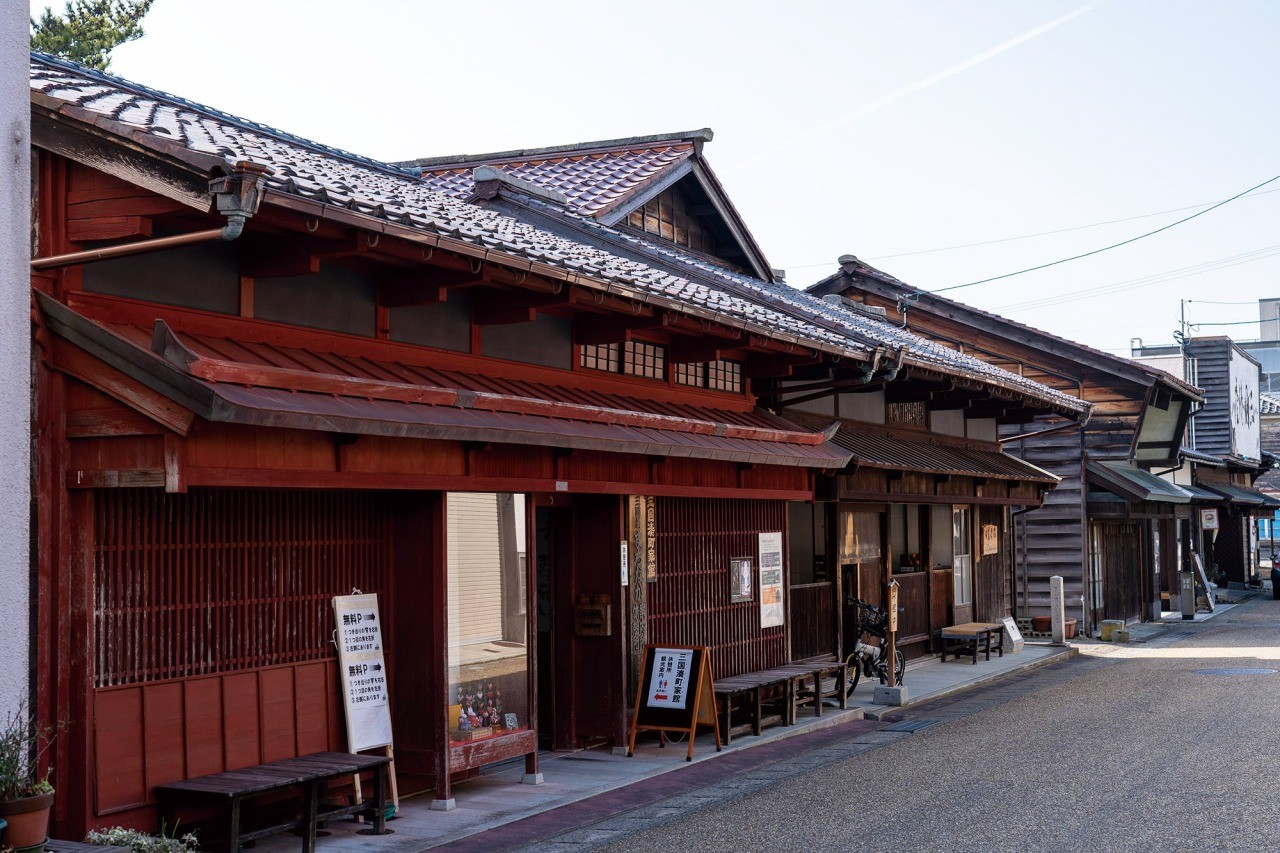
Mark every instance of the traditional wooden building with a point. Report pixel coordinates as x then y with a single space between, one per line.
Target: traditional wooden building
1224 456
927 497
1107 527
270 372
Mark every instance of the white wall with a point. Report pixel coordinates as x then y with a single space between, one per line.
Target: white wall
15 348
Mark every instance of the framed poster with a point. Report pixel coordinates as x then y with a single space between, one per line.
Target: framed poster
1209 519
741 579
772 612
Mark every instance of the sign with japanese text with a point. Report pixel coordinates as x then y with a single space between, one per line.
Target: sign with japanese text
363 671
772 610
1243 377
675 693
669 682
990 540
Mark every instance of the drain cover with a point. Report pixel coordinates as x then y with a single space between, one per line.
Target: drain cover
909 726
1235 672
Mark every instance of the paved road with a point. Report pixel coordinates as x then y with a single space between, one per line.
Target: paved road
1122 748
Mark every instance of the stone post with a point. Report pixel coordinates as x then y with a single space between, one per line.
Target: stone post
1057 611
15 354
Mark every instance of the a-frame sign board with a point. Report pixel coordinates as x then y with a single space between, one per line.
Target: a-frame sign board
363 674
676 694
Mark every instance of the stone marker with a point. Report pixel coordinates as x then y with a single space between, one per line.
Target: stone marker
885 695
1056 611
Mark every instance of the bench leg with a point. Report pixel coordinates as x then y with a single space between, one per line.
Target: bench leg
310 814
233 826
817 693
755 723
380 800
728 719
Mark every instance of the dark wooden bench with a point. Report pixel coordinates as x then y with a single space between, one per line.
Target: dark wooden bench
309 774
972 638
829 678
771 696
55 845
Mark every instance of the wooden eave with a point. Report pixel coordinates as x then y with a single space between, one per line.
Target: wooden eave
1068 352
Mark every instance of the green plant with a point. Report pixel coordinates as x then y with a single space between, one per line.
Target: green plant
141 842
22 746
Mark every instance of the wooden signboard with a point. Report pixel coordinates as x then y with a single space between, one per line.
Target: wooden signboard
1204 581
363 674
676 693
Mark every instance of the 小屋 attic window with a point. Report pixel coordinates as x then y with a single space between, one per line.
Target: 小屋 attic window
634 358
716 375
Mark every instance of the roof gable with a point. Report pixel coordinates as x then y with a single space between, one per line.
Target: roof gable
658 184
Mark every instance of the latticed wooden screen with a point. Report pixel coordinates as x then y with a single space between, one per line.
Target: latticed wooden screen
689 603
221 580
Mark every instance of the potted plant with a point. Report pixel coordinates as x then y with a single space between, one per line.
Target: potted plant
25 795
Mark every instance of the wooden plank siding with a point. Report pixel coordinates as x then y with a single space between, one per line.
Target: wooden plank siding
1211 428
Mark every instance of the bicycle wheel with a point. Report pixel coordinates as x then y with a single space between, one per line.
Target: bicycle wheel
899 666
853 666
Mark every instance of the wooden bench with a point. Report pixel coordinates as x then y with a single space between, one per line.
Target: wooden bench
309 774
771 696
55 845
971 638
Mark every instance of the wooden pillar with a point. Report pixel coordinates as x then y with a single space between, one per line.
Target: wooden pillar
439 582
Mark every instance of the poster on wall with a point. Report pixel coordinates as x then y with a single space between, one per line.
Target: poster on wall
363 671
1209 519
1246 431
741 580
772 612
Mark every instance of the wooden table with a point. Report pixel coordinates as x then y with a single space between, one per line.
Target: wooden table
971 638
311 774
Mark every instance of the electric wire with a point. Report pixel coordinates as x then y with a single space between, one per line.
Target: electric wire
1144 281
1102 249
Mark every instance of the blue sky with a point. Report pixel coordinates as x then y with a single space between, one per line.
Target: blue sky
881 129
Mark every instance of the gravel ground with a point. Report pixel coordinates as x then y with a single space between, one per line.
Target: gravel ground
1135 752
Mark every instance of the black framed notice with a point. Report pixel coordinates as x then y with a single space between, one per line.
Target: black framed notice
676 694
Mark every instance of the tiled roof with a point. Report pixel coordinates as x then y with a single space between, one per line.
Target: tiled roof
593 176
387 192
862 268
876 333
1268 405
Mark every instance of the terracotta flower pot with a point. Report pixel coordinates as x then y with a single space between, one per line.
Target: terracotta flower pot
1069 629
1042 624
28 820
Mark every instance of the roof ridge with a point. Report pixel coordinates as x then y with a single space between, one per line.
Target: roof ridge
213 112
864 268
701 135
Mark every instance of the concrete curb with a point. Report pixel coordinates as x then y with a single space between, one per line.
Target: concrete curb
879 712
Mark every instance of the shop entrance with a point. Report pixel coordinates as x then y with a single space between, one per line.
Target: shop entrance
581 638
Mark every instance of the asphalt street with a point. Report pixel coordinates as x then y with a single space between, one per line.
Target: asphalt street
1122 748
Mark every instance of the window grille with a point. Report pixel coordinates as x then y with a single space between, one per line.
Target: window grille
633 358
716 375
221 580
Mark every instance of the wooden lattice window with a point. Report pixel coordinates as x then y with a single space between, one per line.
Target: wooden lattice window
910 414
716 375
220 580
633 358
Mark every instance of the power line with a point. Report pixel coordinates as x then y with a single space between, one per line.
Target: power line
1236 323
1145 281
1104 248
1039 233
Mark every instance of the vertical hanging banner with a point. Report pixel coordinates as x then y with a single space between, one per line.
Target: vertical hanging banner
772 612
363 671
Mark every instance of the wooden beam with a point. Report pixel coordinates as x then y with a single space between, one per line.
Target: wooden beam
497 309
76 362
694 351
279 260
424 287
597 330
108 228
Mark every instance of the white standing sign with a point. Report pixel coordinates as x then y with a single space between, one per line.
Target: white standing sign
1246 430
772 611
669 683
363 671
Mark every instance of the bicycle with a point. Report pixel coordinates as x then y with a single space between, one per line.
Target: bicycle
867 659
